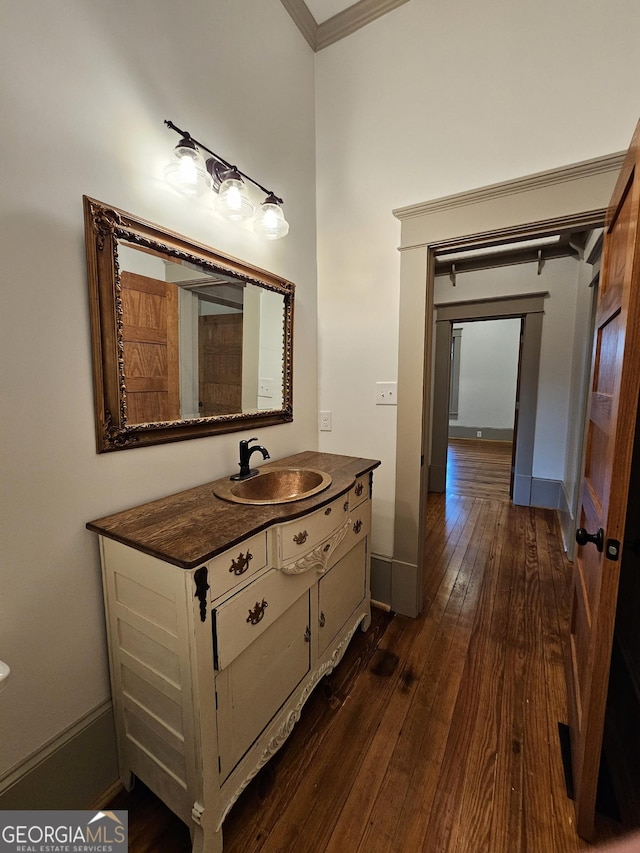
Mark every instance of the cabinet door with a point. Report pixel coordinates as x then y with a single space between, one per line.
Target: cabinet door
340 591
254 686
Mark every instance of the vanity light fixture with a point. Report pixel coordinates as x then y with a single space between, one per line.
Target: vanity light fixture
190 174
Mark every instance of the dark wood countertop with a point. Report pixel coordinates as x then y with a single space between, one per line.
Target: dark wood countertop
190 527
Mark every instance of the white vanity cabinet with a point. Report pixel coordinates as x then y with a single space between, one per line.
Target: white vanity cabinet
211 665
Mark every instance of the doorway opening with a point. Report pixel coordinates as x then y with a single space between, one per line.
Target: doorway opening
483 407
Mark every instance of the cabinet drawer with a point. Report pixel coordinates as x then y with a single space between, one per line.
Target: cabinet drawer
359 528
340 591
245 616
250 691
360 491
237 564
296 538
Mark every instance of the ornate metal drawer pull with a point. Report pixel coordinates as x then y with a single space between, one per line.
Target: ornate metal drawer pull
327 511
300 538
359 489
257 613
357 527
307 634
323 619
240 566
200 577
327 547
345 506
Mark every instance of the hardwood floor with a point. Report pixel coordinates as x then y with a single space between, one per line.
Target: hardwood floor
481 469
435 734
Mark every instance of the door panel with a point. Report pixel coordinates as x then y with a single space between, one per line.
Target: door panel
150 348
610 432
220 363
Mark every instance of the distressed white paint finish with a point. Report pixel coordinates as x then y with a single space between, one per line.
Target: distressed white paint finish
201 704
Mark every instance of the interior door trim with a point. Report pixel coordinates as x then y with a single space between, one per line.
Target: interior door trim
529 307
513 212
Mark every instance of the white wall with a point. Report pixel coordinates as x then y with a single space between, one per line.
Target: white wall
86 87
435 98
560 278
488 373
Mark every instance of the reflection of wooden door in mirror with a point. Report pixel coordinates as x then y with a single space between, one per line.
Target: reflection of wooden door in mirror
220 363
150 343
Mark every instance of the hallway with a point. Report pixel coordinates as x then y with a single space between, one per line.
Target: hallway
437 734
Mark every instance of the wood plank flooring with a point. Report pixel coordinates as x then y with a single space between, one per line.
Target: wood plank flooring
435 734
479 468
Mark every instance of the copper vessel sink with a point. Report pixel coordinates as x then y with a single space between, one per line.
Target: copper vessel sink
274 486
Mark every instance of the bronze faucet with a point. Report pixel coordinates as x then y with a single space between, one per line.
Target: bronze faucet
245 456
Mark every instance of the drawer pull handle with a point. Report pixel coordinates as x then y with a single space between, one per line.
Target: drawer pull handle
240 566
327 547
359 489
300 538
357 527
327 511
307 634
323 620
345 506
257 613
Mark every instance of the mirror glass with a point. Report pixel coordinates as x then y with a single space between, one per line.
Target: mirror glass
202 342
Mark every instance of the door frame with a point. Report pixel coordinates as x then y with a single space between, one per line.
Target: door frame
529 307
571 197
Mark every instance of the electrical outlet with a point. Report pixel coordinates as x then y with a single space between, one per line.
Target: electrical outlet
265 388
386 393
479 433
325 421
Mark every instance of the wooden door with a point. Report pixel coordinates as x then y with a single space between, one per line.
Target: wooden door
150 348
220 363
610 428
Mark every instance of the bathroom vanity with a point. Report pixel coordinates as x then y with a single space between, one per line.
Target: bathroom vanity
222 617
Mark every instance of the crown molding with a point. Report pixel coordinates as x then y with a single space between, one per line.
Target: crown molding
577 171
303 19
319 36
354 18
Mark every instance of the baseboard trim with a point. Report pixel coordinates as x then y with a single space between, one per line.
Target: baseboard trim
381 580
404 583
71 771
107 796
488 433
546 493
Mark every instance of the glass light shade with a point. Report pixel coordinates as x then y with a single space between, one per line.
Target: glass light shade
233 201
187 172
270 223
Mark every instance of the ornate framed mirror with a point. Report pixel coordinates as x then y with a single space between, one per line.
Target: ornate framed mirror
186 341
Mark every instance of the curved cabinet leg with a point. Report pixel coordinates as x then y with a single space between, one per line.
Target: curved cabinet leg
366 622
128 779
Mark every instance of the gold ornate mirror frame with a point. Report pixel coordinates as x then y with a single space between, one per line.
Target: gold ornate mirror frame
107 229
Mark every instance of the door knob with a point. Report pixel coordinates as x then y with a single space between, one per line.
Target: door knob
582 538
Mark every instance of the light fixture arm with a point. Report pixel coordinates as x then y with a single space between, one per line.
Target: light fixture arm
220 160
